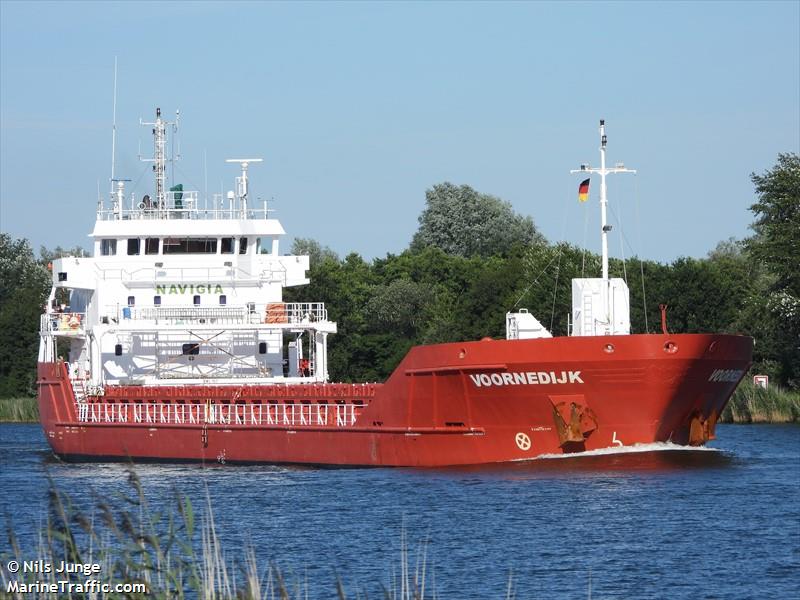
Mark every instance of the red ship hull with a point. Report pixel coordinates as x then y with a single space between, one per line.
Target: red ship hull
450 404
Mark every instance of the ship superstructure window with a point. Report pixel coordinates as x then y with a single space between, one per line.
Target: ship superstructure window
190 246
151 246
243 245
197 300
258 245
227 246
131 300
133 246
223 300
108 247
156 300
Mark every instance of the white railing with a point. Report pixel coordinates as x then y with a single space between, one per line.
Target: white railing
172 315
178 205
67 323
271 414
175 276
294 313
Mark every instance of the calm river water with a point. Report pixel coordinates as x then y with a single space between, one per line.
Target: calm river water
720 523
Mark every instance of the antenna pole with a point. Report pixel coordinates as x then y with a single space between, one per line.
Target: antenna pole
241 182
160 159
605 227
114 126
603 199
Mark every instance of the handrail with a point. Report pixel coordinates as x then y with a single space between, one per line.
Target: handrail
275 312
178 205
62 323
178 275
275 414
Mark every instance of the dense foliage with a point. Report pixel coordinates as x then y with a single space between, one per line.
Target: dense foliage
458 283
461 221
24 286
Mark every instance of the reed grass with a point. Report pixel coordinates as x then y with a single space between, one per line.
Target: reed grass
177 553
753 404
19 410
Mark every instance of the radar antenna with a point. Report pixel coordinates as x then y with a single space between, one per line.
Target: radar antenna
241 182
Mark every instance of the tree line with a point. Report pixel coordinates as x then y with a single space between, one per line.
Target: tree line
473 259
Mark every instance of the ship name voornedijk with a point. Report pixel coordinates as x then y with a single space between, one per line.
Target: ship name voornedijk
526 378
726 375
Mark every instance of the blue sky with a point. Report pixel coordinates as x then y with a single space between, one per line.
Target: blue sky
358 108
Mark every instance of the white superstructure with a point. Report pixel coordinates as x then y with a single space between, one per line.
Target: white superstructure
179 293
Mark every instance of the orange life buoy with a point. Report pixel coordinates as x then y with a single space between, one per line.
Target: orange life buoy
74 321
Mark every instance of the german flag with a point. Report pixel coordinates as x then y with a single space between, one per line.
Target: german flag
583 190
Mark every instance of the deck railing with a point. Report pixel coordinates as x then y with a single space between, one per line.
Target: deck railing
294 415
66 323
294 313
179 205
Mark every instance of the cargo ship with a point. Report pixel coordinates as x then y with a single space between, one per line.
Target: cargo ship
172 342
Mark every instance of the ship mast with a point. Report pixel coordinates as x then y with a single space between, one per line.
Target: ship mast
604 226
160 159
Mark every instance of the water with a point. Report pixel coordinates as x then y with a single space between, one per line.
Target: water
719 523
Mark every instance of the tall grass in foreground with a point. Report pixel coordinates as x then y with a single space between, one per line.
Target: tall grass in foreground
176 553
753 404
19 410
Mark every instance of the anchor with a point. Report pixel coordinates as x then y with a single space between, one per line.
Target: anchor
574 421
702 429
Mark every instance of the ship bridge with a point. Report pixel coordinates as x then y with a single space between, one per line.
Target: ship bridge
180 288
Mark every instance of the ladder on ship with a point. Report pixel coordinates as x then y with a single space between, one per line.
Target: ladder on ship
588 328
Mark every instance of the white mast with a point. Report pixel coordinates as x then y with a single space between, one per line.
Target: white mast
241 182
114 126
160 159
605 228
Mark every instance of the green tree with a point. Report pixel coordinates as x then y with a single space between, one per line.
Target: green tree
776 243
24 286
464 222
776 248
316 252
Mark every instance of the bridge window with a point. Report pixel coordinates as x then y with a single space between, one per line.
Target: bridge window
190 246
108 247
227 246
151 246
133 246
243 245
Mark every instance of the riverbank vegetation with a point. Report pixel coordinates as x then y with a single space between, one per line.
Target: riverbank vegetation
19 410
754 404
472 260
